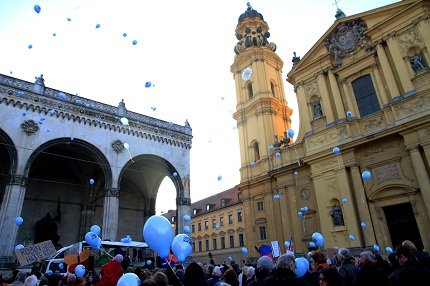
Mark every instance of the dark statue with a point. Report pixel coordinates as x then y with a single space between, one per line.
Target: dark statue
336 214
418 63
317 109
46 229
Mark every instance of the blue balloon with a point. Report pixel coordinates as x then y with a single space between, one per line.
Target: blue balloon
19 246
363 224
97 26
389 250
336 150
96 229
49 272
158 234
129 279
91 181
148 262
230 259
93 240
290 133
376 247
61 266
318 239
302 266
69 19
134 42
217 227
349 114
187 229
182 246
219 178
312 244
37 9
54 34
52 112
148 84
20 93
271 148
276 197
124 35
80 271
175 174
287 244
61 95
244 250
344 200
296 173
187 218
278 155
351 237
366 175
30 46
299 214
252 164
18 221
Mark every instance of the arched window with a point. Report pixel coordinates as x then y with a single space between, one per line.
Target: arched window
365 95
250 92
272 87
256 151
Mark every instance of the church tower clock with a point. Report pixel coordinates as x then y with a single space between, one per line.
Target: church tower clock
262 112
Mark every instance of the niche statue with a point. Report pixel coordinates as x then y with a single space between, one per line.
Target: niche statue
46 229
336 214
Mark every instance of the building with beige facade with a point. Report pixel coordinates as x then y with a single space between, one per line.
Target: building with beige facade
363 91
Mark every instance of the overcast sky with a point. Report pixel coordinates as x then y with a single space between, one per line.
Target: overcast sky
185 48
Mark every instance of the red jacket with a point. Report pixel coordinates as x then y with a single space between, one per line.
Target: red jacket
111 272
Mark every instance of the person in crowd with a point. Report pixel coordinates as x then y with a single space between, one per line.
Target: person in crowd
30 281
216 276
160 278
194 275
230 277
423 257
250 276
347 268
112 271
318 261
412 271
370 274
209 270
148 282
330 277
264 267
242 276
284 273
19 279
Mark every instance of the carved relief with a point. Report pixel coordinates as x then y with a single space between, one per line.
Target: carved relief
414 207
408 39
387 172
412 107
326 163
379 213
305 194
380 148
112 192
29 127
324 139
264 111
311 89
374 125
17 180
118 146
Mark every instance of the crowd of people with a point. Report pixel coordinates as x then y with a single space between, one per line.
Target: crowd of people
405 266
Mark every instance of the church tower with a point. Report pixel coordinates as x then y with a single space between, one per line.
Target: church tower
262 112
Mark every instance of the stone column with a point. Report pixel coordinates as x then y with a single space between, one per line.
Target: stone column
386 70
380 86
110 214
400 65
362 206
326 104
350 104
183 206
10 209
340 109
285 216
305 117
424 29
422 176
296 222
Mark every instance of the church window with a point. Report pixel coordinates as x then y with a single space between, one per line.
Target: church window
272 87
262 230
200 246
256 148
260 206
250 92
365 95
241 241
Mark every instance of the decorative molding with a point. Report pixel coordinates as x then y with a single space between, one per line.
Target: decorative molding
311 89
379 213
414 207
325 139
375 149
374 124
183 201
17 180
112 192
412 107
264 111
30 127
261 221
387 172
118 146
328 163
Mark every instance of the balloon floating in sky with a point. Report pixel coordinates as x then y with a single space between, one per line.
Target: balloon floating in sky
244 250
97 26
389 250
276 197
54 34
148 262
80 271
290 133
158 234
134 42
61 265
30 46
318 239
175 174
217 227
69 19
91 181
19 221
219 178
302 266
366 175
363 224
287 244
130 279
311 244
37 9
351 237
336 150
154 108
124 35
187 218
349 114
96 229
376 247
271 148
148 84
299 214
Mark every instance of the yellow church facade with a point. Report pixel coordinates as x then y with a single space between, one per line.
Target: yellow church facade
358 169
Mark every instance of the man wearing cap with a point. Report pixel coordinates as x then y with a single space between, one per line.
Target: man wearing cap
112 271
347 269
263 270
216 276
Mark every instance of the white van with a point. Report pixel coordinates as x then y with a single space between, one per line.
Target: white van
56 264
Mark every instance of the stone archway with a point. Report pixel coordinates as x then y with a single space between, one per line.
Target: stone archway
139 183
8 161
58 183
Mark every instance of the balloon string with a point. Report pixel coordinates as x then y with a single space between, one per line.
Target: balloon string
105 252
131 158
168 263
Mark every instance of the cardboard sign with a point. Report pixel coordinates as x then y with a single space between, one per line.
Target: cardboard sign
35 252
275 249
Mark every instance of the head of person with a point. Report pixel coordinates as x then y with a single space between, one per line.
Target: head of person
343 254
318 257
409 244
217 271
30 280
250 272
265 263
404 254
119 258
286 262
160 278
329 277
194 274
20 276
148 282
210 269
367 258
230 277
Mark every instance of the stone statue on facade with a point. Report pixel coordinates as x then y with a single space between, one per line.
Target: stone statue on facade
295 59
418 63
122 111
336 214
317 109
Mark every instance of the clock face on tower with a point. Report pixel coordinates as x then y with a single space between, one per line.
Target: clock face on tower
246 73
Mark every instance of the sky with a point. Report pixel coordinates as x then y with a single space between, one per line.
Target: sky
184 48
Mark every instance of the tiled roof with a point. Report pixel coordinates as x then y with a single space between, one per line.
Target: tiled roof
230 196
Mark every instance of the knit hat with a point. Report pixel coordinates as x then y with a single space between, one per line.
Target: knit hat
118 258
217 271
265 262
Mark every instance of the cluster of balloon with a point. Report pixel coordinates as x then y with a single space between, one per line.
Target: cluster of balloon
318 239
182 246
129 279
126 239
302 266
19 220
351 237
80 271
366 175
93 240
304 209
158 234
95 229
244 250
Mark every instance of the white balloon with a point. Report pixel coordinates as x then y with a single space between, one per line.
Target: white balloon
126 146
124 121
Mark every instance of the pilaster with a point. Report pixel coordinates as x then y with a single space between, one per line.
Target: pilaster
422 176
110 214
387 71
340 109
400 65
327 108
